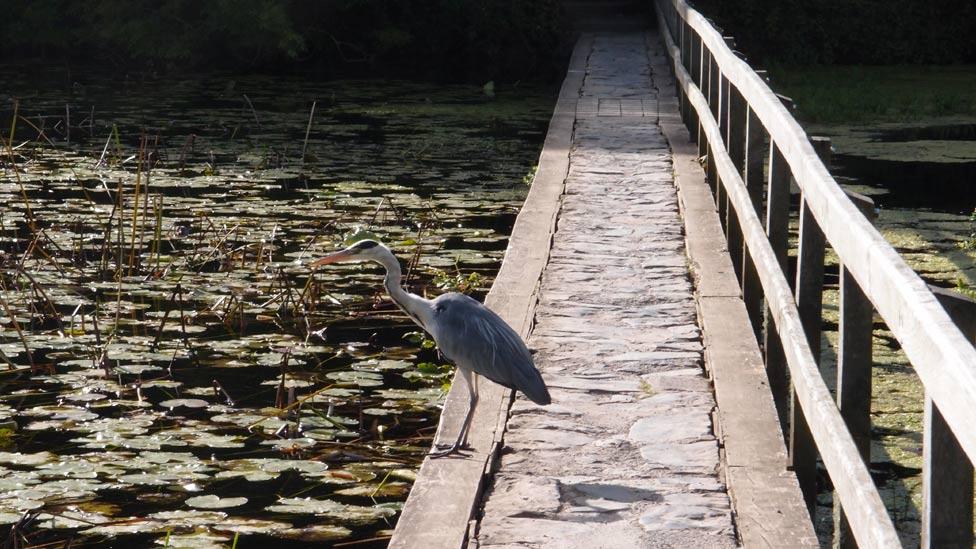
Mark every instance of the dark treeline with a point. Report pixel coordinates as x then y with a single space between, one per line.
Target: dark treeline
462 40
849 31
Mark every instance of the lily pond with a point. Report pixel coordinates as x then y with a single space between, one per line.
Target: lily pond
171 372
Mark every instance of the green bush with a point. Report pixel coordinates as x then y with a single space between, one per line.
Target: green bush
477 40
849 31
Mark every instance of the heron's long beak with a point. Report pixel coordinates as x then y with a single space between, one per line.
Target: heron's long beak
331 258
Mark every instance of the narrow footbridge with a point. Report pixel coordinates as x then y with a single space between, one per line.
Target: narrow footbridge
650 270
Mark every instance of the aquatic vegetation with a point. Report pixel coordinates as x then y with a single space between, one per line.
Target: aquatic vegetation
172 372
893 163
867 95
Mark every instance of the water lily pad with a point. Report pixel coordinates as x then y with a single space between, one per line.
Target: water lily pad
7 517
196 540
386 489
251 526
37 458
214 502
362 379
240 218
72 519
290 443
122 526
85 397
184 403
349 514
315 533
189 517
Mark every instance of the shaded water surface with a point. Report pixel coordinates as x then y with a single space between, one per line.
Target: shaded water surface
171 372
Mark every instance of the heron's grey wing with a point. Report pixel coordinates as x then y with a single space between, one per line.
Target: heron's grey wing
474 337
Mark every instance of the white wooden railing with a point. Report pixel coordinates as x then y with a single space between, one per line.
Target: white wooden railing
753 149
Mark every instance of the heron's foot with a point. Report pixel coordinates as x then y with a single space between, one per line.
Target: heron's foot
444 450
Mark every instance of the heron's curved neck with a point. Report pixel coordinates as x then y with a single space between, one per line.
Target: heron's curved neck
416 307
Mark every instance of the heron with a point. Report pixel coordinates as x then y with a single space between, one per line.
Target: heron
466 332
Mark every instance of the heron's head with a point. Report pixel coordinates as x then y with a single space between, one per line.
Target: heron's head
364 250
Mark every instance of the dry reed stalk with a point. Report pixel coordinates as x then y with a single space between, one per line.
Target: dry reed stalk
108 141
217 246
13 320
254 112
307 297
280 396
414 261
308 129
118 304
162 321
186 338
71 327
135 203
188 144
119 199
39 291
218 389
106 239
241 315
50 258
158 229
95 315
13 165
29 252
145 199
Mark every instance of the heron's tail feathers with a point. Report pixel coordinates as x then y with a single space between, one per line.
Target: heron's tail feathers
532 385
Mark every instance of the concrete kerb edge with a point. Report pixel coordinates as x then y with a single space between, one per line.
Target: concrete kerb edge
559 135
542 205
712 262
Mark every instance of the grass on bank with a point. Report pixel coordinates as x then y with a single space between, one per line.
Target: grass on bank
865 94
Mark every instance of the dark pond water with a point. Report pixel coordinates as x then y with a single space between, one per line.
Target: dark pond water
172 373
930 167
948 187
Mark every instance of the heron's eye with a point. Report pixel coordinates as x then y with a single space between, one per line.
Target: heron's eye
366 244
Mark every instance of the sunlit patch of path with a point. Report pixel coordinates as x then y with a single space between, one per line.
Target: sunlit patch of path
626 456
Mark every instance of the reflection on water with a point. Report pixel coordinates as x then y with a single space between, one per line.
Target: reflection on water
173 372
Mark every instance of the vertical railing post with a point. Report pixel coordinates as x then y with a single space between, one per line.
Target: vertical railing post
699 74
696 61
752 292
947 473
721 194
809 303
713 87
736 142
778 231
722 117
686 32
854 361
685 41
714 79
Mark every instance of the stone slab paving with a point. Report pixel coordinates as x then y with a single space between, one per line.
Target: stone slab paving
626 455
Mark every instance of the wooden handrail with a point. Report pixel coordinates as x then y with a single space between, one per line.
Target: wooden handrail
727 106
943 358
839 451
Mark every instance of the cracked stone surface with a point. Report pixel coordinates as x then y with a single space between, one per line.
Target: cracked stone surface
626 455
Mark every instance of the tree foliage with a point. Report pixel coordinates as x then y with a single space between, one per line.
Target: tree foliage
459 39
850 31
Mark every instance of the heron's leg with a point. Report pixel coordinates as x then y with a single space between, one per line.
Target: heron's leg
470 379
